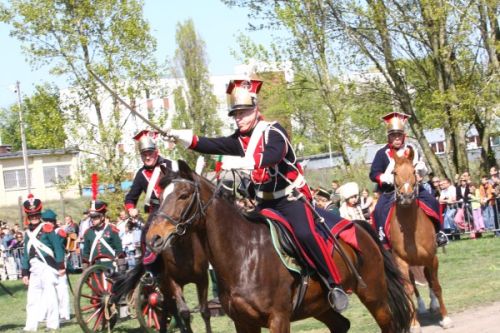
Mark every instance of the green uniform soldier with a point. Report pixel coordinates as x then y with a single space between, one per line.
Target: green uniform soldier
42 264
102 242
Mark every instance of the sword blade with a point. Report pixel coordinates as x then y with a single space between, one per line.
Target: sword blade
115 95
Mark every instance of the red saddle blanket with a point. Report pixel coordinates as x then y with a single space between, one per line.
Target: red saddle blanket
339 228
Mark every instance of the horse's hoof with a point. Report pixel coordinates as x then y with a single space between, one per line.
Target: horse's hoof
415 329
446 322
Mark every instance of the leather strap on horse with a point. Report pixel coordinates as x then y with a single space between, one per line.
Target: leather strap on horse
340 250
301 291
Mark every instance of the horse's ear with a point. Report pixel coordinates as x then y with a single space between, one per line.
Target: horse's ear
411 153
184 170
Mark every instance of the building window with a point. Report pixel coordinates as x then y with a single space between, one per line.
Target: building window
438 147
473 142
55 174
14 179
495 141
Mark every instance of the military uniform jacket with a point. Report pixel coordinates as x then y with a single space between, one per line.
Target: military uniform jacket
42 243
381 161
275 166
108 244
140 185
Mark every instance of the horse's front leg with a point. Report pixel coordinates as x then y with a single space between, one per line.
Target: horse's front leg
279 323
431 274
202 290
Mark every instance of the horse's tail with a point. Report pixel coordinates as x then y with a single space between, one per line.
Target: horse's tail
125 283
400 303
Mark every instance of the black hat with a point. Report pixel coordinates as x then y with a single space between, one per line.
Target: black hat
98 207
323 193
32 206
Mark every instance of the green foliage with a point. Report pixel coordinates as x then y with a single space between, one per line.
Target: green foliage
196 105
109 37
43 120
430 62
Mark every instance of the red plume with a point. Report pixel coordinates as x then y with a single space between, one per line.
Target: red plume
94 186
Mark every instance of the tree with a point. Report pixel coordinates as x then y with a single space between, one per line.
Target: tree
110 38
329 112
196 105
43 117
426 51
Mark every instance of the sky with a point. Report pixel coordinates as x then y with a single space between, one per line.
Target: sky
217 24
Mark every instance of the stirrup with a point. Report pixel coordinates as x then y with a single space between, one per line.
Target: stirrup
338 299
148 279
441 239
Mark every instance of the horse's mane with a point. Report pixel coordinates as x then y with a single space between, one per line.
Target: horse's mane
222 193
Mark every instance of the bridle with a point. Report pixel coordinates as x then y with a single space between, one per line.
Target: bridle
194 211
400 196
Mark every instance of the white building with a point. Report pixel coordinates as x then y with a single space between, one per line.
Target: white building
47 167
160 103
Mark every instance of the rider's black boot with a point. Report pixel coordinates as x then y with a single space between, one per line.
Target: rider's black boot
441 239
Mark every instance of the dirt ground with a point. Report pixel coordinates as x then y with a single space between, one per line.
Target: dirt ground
484 319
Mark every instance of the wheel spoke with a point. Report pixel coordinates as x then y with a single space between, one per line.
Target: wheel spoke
89 307
98 282
99 320
93 288
93 297
97 311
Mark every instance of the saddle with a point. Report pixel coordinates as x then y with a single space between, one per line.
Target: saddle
291 252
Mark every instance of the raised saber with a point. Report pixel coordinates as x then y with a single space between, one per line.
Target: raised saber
134 112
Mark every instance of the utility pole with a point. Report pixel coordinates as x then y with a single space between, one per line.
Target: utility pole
23 139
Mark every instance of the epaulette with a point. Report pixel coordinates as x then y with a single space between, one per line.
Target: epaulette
114 228
61 233
48 227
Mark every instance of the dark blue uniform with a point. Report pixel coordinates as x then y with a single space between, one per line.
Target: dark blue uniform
276 177
140 185
387 196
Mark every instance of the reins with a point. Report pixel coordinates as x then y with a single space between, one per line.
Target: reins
188 217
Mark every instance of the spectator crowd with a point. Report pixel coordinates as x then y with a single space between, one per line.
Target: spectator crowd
467 206
12 241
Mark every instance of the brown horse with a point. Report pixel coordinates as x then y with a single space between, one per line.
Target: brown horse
412 236
256 290
185 263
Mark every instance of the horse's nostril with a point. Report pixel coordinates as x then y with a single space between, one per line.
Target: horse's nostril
155 242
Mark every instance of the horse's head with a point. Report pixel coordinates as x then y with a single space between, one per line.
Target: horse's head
405 180
181 206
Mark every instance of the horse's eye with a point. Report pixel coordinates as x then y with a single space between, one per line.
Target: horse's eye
184 196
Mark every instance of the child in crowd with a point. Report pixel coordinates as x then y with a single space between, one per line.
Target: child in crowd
350 208
475 200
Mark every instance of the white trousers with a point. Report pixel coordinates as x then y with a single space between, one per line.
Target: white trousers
42 296
63 296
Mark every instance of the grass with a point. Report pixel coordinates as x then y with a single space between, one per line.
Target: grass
469 274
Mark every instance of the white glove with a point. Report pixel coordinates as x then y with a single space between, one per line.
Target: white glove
387 178
420 168
184 136
238 163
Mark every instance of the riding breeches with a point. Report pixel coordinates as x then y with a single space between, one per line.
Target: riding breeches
313 240
387 200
